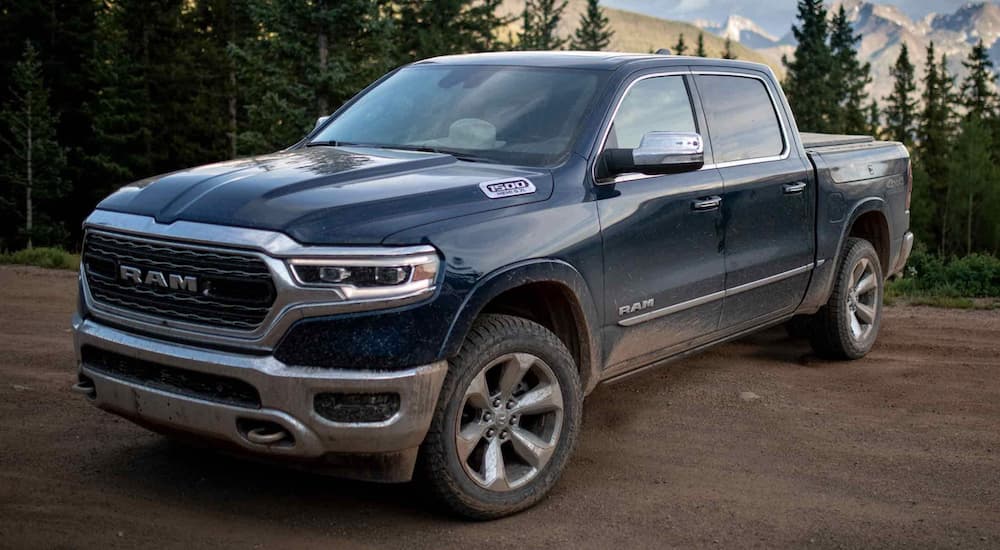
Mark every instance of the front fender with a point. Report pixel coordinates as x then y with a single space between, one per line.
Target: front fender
516 275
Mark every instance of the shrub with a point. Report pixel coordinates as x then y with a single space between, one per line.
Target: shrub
53 258
973 276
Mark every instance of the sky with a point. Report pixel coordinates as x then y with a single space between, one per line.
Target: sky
775 16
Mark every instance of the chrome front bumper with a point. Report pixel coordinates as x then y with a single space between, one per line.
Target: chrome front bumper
286 399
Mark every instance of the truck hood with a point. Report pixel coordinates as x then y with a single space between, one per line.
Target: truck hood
327 195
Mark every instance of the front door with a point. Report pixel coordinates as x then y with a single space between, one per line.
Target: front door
662 235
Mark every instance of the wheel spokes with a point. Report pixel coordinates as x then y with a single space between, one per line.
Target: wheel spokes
478 393
530 447
544 398
513 372
866 285
468 437
859 270
494 469
865 313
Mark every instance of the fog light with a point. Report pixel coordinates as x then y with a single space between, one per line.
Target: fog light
356 407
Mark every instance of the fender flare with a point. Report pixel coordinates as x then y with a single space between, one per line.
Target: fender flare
527 272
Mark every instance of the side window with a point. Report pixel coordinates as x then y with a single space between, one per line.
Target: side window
741 118
654 104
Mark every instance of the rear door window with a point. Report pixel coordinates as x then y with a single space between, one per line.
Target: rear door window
741 118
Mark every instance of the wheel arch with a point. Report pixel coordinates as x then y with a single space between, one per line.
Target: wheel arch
550 292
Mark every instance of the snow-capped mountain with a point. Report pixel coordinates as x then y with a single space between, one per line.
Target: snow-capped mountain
884 28
740 29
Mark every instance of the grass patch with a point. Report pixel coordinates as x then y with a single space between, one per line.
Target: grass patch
52 258
970 282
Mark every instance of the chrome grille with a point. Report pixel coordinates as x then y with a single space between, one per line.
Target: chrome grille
233 290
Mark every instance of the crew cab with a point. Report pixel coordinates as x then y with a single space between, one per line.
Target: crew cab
436 275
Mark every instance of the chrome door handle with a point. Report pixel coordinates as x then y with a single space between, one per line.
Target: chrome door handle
708 203
794 188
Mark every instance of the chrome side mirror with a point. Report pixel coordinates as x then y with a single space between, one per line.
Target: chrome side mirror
658 153
320 121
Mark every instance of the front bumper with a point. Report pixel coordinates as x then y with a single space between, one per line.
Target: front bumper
383 450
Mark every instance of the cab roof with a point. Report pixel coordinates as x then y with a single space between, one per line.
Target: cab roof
608 61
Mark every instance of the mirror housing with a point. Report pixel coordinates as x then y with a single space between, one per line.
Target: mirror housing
658 153
320 121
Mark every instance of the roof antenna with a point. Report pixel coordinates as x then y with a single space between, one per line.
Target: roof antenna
664 51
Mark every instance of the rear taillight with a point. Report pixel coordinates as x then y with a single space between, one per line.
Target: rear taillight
909 182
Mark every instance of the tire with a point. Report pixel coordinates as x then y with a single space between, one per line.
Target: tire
847 326
484 374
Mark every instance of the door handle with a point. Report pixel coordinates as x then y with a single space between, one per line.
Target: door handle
708 203
794 188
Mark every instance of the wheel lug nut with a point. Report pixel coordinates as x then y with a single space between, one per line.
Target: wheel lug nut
503 434
496 402
513 421
510 404
490 432
487 417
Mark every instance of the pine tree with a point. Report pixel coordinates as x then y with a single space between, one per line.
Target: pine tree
807 82
727 49
849 77
541 23
934 134
979 88
594 32
873 120
29 132
700 50
972 173
680 48
901 108
428 29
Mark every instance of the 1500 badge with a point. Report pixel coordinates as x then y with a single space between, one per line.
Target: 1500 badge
507 188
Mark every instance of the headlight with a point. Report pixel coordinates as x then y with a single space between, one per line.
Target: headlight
375 277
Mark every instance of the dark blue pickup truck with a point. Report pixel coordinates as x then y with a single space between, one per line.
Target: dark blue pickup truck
434 278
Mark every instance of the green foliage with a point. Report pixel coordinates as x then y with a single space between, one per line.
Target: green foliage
540 24
979 88
700 50
594 32
848 78
680 48
727 50
807 84
32 171
972 276
52 258
901 108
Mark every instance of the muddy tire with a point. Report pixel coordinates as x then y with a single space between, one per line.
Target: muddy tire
847 326
506 421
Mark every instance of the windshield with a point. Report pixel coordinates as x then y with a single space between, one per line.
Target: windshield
522 116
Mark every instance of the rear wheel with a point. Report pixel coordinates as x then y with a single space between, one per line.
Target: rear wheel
847 326
507 419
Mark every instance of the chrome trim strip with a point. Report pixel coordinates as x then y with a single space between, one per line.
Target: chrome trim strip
676 308
292 302
708 298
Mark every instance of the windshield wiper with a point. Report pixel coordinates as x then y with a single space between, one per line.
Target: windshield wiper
332 144
460 155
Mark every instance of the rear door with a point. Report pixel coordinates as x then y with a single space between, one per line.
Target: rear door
767 201
662 234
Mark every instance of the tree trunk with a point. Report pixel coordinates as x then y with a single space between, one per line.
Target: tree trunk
968 229
28 207
232 114
324 54
944 222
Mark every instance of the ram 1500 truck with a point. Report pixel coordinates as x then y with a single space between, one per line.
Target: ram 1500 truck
434 278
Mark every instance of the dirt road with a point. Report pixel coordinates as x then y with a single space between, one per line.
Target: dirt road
901 449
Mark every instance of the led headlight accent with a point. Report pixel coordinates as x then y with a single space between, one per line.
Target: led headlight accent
375 277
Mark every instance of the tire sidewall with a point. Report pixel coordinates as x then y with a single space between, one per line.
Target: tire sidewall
464 368
853 348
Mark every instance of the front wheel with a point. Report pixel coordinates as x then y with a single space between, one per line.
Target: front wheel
506 421
846 327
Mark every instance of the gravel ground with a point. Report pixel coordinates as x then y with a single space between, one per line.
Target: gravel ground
753 444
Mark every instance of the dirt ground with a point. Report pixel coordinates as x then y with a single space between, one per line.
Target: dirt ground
901 449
